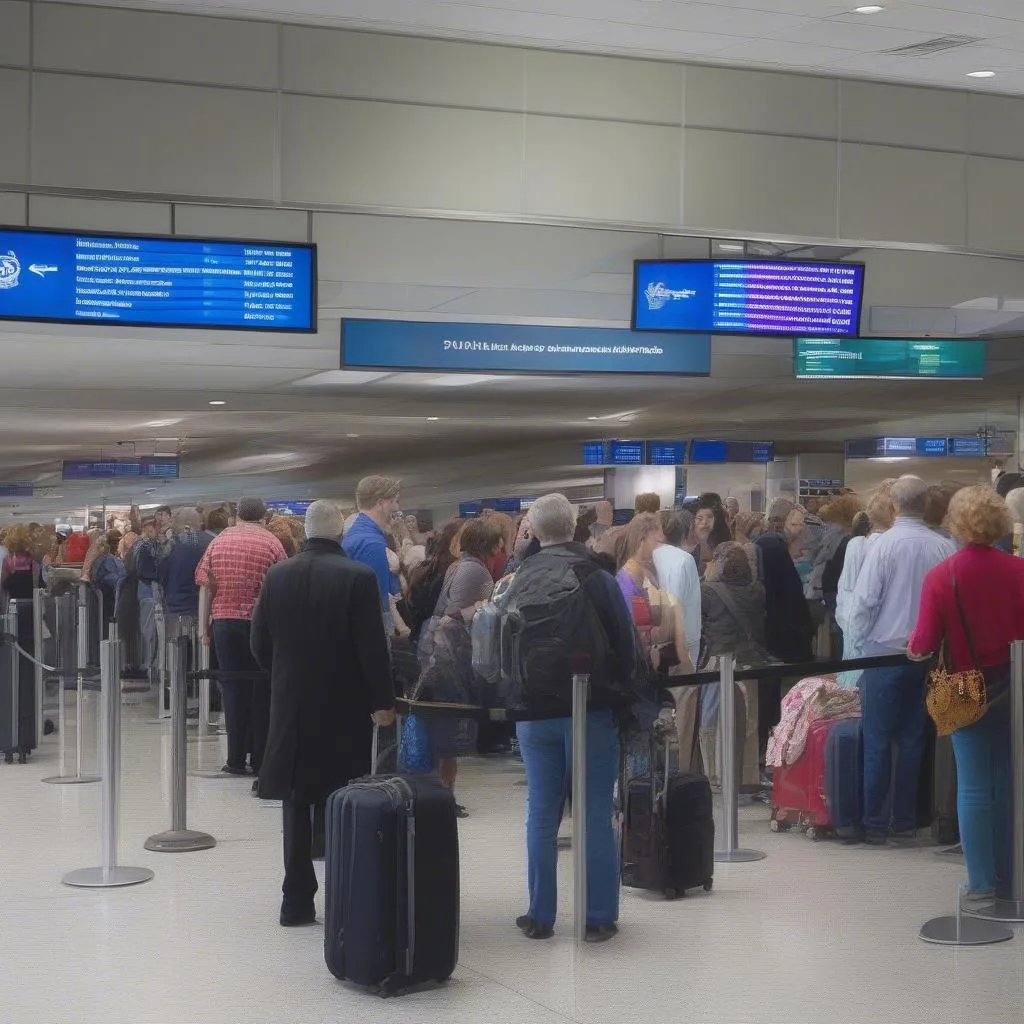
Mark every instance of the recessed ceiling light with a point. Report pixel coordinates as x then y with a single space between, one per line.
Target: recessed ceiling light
593 417
981 74
433 419
352 436
868 9
218 401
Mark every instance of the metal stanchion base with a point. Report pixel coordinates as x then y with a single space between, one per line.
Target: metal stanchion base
70 780
738 856
185 841
216 773
107 878
963 931
1011 911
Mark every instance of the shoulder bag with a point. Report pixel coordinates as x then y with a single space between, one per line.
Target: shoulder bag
956 700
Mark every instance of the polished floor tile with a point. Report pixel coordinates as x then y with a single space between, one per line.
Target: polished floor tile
817 931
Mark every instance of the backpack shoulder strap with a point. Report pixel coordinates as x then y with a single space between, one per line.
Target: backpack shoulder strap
722 590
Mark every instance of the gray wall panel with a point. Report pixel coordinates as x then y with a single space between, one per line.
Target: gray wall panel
14 125
46 211
241 222
903 194
12 208
759 183
902 116
995 212
142 44
184 140
761 101
14 33
996 126
356 65
602 170
575 85
349 151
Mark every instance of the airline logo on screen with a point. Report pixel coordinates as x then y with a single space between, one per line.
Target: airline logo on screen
10 270
657 294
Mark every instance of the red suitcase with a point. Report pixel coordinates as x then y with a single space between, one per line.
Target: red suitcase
799 794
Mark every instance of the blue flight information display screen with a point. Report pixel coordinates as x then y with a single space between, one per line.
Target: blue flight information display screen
147 469
146 281
289 508
626 453
16 490
708 451
967 446
748 297
666 453
594 454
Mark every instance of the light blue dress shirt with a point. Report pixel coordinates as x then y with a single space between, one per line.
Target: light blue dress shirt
678 576
883 612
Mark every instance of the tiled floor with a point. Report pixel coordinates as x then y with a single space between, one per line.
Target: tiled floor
816 932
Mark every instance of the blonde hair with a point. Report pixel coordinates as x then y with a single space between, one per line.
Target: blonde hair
642 526
977 515
647 503
881 511
374 489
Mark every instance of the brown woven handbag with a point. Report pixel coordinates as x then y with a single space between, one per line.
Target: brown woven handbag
956 699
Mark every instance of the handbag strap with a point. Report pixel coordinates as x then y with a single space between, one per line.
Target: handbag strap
722 590
963 620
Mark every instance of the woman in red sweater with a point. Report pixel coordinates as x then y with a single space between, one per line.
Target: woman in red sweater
989 587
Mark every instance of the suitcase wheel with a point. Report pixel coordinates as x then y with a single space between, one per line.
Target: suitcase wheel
9 757
778 824
814 834
674 894
709 885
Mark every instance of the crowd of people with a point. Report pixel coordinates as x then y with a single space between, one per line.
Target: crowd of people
318 625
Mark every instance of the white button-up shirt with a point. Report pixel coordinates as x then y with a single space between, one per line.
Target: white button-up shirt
887 597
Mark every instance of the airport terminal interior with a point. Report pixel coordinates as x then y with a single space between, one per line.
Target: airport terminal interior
494 250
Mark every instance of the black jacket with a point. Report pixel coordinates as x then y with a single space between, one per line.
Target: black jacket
739 631
788 625
318 631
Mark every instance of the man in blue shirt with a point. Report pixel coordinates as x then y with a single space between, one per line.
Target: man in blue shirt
377 498
884 611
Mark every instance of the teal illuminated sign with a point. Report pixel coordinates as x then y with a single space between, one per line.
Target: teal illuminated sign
894 358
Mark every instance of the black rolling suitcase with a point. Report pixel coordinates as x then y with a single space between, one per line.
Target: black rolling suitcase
392 883
17 684
668 832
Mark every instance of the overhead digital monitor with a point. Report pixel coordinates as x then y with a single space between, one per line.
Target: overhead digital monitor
154 468
469 509
16 490
594 454
518 348
748 297
932 446
290 508
892 358
626 453
150 281
666 453
968 447
705 451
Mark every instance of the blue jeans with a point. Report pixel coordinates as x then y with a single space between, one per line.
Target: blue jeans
983 800
892 712
547 754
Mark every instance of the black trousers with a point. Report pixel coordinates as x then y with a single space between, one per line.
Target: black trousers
300 883
246 701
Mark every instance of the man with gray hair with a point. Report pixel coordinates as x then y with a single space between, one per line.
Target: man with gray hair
574 620
884 612
318 632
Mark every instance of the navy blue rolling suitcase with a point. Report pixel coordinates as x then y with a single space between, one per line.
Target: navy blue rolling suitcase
844 776
392 883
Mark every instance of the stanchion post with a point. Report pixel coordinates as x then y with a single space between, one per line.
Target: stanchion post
729 853
82 633
109 874
179 839
66 608
38 596
580 699
1010 907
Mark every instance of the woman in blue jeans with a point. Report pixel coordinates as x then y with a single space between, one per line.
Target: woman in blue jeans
987 586
546 743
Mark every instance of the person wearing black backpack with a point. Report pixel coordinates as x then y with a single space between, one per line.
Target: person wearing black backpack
569 612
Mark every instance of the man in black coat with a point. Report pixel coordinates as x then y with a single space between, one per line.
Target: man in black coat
318 631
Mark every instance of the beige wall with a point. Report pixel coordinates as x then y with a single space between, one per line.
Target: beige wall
152 105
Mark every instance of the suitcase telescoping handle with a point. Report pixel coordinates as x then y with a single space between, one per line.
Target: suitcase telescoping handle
375 749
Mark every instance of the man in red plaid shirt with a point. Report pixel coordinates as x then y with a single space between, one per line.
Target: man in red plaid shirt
233 570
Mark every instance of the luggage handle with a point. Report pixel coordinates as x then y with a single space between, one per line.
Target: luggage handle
374 749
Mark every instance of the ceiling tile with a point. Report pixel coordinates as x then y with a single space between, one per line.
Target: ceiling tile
851 36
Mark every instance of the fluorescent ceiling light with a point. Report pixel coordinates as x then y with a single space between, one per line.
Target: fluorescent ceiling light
218 401
730 247
981 74
462 380
868 9
352 436
334 378
890 458
433 419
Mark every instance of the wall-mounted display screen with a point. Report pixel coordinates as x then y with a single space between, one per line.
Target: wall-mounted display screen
925 447
748 297
16 490
703 451
289 508
894 358
517 348
145 281
666 453
148 469
626 453
967 446
594 453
